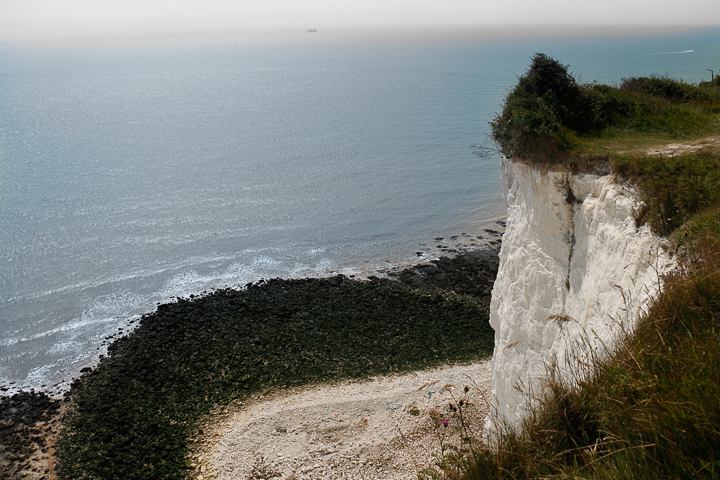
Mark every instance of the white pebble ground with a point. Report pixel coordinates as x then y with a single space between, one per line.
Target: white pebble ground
381 428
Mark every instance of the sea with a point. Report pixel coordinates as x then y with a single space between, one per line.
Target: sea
133 174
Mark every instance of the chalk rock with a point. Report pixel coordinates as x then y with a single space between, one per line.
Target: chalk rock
575 273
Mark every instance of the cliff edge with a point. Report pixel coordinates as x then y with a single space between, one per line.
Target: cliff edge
598 372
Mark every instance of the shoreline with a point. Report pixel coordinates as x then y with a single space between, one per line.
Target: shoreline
462 238
454 270
453 242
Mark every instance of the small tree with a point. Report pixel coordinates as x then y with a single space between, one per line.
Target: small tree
541 113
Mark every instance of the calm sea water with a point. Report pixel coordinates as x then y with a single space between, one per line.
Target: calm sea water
132 176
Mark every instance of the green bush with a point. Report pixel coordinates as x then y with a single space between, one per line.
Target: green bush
542 113
667 88
712 84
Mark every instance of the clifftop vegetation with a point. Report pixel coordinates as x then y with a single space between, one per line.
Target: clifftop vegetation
550 117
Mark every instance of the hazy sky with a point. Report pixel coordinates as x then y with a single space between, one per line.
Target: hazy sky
56 20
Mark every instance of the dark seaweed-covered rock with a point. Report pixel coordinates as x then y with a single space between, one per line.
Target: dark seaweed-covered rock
132 416
471 274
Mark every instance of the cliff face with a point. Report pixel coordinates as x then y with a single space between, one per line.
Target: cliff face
574 274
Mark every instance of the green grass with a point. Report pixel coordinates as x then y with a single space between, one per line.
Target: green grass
133 416
651 408
675 189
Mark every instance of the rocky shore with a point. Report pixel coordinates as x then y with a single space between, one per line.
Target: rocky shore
29 420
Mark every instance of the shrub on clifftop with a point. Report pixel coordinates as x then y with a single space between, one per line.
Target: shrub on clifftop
540 114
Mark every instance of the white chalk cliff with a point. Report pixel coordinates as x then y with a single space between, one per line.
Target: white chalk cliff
575 273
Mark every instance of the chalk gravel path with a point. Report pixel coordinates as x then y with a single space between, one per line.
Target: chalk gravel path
382 428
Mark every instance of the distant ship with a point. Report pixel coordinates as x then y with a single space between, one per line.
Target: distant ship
311 30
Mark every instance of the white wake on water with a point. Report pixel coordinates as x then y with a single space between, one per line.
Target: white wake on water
672 53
